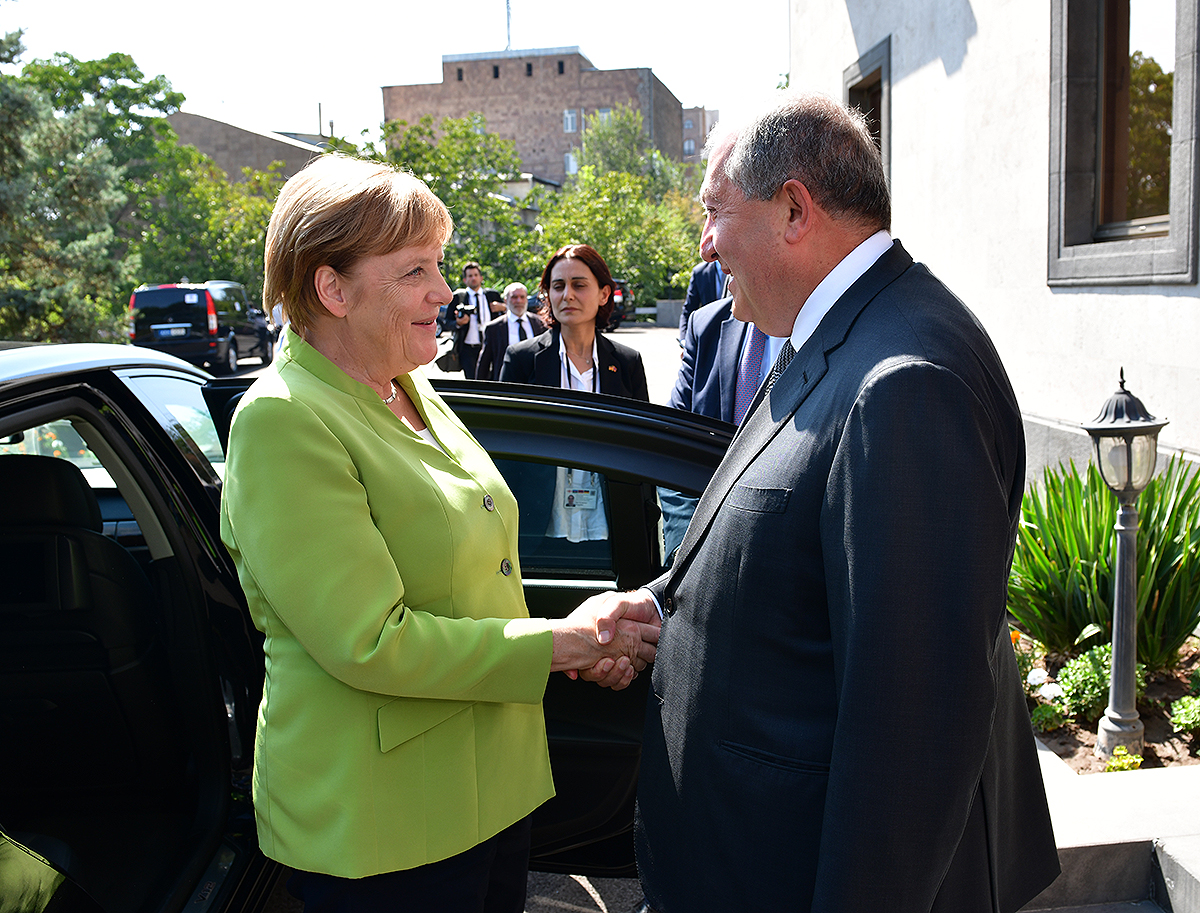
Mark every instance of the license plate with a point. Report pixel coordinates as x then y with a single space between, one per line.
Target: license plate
170 332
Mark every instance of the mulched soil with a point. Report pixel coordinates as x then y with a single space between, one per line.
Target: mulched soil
1076 740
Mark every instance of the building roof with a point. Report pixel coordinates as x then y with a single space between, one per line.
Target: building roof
506 55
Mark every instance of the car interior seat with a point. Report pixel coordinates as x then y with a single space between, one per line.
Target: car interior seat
84 686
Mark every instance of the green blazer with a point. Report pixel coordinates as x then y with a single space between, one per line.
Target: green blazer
401 720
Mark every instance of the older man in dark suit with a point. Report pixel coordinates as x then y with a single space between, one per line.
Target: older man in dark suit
837 723
514 325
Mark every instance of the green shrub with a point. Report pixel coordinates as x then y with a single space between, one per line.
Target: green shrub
1185 714
1062 574
1084 681
1121 759
1046 717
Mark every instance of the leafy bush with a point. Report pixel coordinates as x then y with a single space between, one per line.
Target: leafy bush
1185 714
1062 574
1084 682
1046 717
1121 759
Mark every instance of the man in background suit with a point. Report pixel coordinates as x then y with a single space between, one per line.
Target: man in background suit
725 360
837 722
706 286
516 325
469 311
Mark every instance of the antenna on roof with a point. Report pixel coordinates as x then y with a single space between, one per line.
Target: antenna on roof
508 23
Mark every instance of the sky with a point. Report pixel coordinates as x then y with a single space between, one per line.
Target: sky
276 67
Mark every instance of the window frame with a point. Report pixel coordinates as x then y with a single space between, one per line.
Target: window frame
570 120
1079 252
874 67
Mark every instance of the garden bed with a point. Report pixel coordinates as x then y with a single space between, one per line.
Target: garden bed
1075 741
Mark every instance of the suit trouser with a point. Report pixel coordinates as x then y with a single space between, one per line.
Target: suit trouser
490 877
468 356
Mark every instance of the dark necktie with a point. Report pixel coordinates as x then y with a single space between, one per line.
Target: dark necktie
781 362
521 334
749 371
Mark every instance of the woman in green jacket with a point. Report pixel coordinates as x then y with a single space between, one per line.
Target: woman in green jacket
400 746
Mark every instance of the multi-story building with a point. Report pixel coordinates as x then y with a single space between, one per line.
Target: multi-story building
234 148
540 99
1002 130
697 122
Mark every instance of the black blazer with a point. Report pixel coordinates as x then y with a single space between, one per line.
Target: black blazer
495 344
837 722
459 299
536 361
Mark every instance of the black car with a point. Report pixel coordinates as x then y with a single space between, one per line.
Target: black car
622 304
210 323
130 672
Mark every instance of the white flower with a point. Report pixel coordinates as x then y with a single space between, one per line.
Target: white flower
1051 691
1037 677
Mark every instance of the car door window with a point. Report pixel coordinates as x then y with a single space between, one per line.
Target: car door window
179 404
565 519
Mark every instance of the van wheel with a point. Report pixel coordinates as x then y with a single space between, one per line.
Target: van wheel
230 364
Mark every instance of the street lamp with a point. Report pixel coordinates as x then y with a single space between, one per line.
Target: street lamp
1126 440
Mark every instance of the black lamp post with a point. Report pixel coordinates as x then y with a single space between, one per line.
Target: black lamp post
1126 439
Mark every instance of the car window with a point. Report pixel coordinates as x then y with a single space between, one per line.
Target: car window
565 519
59 439
179 404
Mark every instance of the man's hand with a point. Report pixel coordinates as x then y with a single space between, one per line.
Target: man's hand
613 611
606 639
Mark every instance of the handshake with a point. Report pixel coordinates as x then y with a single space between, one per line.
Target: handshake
608 640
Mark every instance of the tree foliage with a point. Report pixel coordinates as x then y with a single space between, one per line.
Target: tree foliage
466 167
97 196
60 192
1150 100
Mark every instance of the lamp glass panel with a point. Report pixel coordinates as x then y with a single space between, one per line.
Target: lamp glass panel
1143 450
1112 458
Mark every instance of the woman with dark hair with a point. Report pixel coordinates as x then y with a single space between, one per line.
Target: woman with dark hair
573 355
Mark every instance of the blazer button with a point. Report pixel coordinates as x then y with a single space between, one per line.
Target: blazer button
505 567
488 503
670 605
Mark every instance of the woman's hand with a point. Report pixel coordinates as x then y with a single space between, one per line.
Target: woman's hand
609 639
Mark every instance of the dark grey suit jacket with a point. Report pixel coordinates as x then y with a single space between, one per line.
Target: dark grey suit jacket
837 722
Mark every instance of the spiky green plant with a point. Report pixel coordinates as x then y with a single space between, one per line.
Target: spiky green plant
1062 576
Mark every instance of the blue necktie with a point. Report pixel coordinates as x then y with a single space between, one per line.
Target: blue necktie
749 369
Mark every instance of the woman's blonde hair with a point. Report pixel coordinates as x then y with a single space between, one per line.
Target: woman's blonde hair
335 212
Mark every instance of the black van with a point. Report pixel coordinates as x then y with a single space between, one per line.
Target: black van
205 323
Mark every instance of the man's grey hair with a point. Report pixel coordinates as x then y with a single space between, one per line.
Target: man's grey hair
824 145
512 287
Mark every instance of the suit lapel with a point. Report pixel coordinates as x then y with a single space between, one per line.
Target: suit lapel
729 347
775 410
607 365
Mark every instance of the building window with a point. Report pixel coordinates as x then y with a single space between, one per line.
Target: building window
687 124
570 120
867 85
560 68
689 147
460 74
528 69
603 115
570 163
495 72
1123 200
